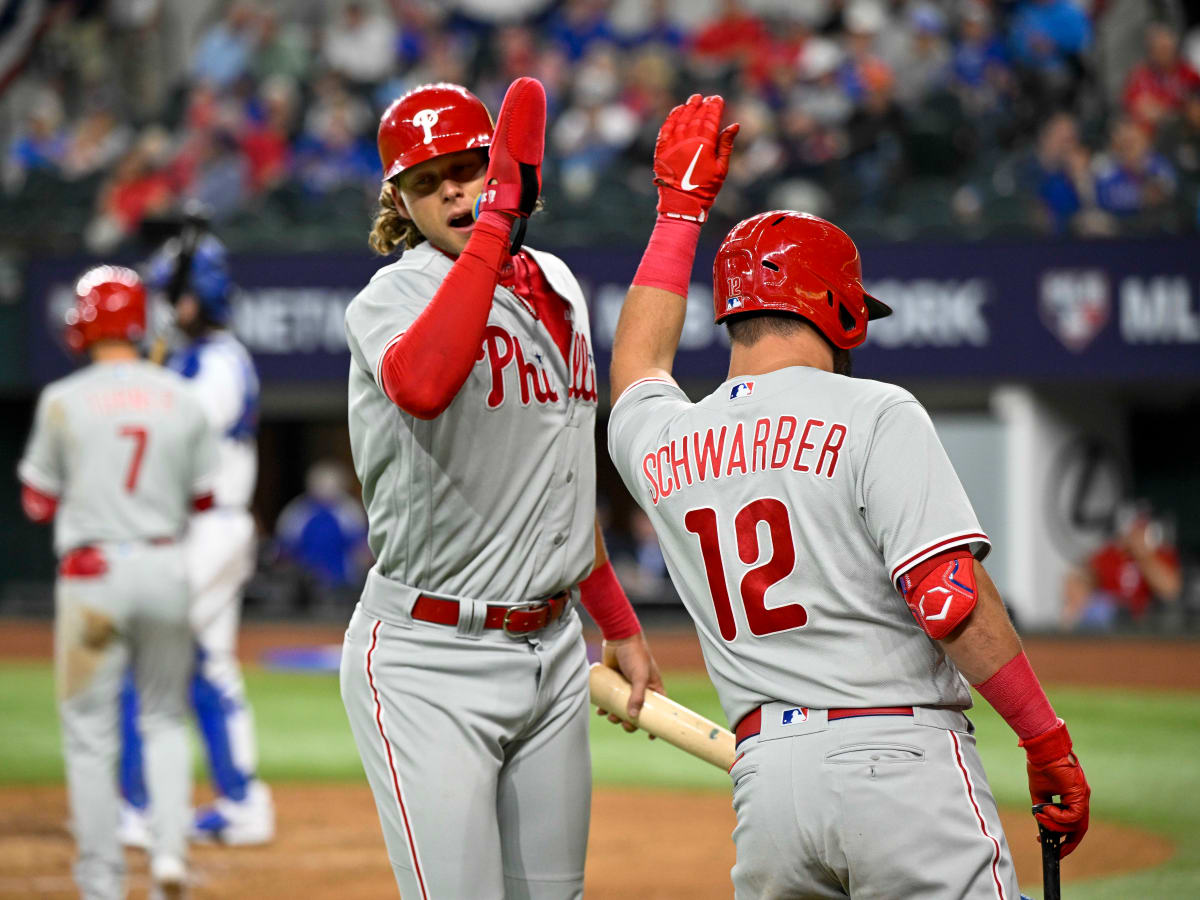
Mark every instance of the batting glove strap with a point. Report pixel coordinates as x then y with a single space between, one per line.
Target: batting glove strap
675 204
1048 746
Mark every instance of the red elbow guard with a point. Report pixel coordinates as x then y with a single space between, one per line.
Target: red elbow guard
941 591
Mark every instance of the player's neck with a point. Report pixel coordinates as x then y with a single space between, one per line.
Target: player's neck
772 352
112 352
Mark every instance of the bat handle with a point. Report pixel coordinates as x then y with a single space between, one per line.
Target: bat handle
1050 840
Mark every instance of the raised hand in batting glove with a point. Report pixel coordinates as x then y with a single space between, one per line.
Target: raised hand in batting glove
1054 770
514 175
691 158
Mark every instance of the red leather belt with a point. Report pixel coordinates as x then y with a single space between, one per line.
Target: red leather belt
520 619
751 723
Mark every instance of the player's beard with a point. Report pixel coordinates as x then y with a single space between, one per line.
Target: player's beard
843 363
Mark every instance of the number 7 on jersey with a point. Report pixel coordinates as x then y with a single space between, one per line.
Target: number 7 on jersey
139 435
754 584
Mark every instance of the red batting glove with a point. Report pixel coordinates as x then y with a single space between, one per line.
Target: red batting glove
691 158
1054 770
514 175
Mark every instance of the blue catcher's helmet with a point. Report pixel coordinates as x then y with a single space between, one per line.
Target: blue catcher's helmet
207 279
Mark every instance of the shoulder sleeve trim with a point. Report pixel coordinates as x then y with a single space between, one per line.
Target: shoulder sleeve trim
30 474
641 381
979 543
379 362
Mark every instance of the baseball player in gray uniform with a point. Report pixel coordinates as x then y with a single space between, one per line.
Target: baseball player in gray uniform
820 538
119 455
472 402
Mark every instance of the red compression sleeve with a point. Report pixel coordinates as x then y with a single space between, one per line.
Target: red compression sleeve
423 370
38 507
667 262
604 599
1015 693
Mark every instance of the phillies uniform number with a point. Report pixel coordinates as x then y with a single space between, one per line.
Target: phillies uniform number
138 434
754 584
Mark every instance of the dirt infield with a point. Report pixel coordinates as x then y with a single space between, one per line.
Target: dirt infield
644 843
1110 662
656 845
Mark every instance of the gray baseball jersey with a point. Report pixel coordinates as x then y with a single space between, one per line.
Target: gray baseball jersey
469 737
123 447
787 504
442 517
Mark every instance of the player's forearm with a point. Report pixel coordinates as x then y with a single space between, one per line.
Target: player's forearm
1165 580
987 639
652 317
988 652
647 336
604 599
424 369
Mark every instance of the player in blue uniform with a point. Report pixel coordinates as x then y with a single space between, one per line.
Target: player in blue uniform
220 550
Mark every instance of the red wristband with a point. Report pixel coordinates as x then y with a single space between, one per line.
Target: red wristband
1015 693
667 262
604 599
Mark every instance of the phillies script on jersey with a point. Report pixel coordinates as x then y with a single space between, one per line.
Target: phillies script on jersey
743 449
502 350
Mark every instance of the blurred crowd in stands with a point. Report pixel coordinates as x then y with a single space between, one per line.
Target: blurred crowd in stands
897 118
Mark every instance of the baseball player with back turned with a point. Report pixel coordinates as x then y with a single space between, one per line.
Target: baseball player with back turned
220 550
472 403
119 454
822 542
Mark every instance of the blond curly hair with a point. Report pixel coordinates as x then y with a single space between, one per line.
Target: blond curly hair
392 229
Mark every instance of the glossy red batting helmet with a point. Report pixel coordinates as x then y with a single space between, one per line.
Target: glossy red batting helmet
793 262
110 304
431 120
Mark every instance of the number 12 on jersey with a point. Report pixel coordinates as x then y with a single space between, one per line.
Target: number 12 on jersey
753 588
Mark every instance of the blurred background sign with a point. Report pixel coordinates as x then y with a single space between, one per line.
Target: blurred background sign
1107 310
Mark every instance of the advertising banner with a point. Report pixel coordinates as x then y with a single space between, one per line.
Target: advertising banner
1111 311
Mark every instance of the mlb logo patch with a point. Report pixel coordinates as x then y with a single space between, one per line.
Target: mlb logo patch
795 715
1075 305
733 303
741 389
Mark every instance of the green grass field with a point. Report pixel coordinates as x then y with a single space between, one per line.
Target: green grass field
1141 750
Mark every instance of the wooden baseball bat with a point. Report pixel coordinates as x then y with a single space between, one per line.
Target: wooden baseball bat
664 718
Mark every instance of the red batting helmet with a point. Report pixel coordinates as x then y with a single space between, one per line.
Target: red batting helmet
431 120
110 304
792 262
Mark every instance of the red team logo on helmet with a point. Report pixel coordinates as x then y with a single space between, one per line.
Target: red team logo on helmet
431 120
110 304
792 262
